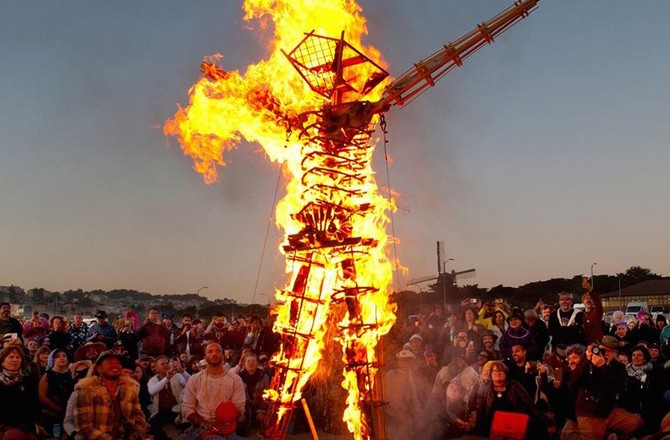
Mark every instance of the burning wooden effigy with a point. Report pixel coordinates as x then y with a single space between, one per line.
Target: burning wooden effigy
315 109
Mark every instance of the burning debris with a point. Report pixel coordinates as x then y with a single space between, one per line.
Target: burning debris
333 215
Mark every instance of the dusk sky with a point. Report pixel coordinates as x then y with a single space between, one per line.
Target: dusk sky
546 152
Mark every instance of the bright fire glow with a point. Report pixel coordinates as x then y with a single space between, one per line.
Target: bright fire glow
258 106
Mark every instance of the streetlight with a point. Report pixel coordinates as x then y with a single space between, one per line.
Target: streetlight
197 306
444 284
592 282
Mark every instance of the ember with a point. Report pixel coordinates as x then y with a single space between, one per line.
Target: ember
333 215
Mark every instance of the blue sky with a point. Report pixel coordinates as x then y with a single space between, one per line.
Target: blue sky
545 153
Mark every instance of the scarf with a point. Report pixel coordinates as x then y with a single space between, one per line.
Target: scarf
639 373
10 377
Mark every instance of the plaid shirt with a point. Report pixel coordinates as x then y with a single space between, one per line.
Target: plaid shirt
94 416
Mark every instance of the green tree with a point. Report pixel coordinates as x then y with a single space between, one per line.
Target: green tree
637 274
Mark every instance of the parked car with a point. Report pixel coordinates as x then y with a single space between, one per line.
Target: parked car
634 307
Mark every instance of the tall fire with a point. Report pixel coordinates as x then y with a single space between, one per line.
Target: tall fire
314 109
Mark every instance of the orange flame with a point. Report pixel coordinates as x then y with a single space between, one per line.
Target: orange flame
260 106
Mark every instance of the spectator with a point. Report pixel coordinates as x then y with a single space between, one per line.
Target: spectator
89 351
622 335
517 333
31 347
18 393
404 405
566 325
55 388
521 370
447 414
154 337
416 345
642 388
8 324
503 394
102 331
217 330
78 332
499 326
489 340
189 340
598 382
36 328
165 389
646 330
593 313
59 336
128 338
107 404
561 396
168 322
470 324
255 382
39 365
206 389
461 347
538 330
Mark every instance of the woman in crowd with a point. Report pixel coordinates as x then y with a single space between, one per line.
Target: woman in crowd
36 328
447 413
498 326
128 338
18 393
642 390
55 388
470 325
59 336
516 333
39 364
31 348
505 395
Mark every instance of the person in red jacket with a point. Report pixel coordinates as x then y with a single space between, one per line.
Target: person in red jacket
593 313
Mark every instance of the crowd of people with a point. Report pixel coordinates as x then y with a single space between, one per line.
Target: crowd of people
127 379
552 371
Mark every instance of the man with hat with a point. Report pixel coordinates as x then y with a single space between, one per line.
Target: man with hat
89 351
102 331
168 323
489 345
516 333
566 324
598 382
402 397
107 405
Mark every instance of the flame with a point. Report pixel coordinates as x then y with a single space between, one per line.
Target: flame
333 193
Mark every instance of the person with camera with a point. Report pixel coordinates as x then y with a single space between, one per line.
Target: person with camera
189 340
154 336
523 370
165 389
598 382
8 324
128 338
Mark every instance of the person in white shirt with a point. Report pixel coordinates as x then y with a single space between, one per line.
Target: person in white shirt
208 388
165 389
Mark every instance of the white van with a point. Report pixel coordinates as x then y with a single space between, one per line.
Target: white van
635 306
